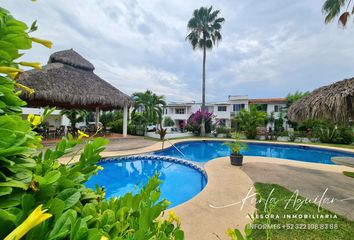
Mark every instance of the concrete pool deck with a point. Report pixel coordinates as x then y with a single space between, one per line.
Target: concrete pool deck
229 185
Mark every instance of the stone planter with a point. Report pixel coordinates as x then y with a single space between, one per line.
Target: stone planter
221 135
236 159
283 139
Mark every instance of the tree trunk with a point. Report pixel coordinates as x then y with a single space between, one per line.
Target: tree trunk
202 125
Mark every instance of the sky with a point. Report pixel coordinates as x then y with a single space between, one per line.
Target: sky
269 48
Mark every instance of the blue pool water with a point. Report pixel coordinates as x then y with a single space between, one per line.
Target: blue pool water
179 182
203 151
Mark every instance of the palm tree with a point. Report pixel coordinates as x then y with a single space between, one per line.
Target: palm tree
204 32
332 8
150 104
74 116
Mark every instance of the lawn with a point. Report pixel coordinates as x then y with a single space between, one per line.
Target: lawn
339 228
349 174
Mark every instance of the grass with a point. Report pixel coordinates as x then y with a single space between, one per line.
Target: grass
345 228
349 174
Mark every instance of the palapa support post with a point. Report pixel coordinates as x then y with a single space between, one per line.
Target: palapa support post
125 121
97 117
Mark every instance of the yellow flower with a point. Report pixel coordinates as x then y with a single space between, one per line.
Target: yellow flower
45 43
100 168
8 70
35 218
231 233
82 134
104 237
35 65
27 89
13 75
173 218
34 119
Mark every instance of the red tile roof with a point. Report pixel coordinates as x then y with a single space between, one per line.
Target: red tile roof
268 100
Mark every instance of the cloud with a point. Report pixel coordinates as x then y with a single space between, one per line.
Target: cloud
269 48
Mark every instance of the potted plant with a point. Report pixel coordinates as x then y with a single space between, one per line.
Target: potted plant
236 146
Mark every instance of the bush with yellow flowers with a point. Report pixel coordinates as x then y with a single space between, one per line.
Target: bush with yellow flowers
43 199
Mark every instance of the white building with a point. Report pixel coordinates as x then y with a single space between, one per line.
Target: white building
223 112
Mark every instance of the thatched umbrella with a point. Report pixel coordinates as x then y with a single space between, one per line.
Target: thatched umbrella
334 102
68 81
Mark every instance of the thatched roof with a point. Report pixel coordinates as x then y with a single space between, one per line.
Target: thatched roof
334 102
68 81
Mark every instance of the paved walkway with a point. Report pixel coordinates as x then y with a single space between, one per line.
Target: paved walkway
208 215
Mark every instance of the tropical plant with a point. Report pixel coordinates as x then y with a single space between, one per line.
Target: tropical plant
168 122
293 97
31 179
108 117
235 234
222 130
195 120
204 32
328 132
236 146
332 8
74 115
248 121
150 104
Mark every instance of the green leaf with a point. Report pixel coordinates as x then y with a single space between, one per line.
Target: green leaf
5 191
70 197
94 234
179 235
52 176
62 226
27 202
89 209
56 206
6 216
13 183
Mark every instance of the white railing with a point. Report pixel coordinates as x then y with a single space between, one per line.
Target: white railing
175 147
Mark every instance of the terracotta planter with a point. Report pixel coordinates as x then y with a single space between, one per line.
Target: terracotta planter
236 159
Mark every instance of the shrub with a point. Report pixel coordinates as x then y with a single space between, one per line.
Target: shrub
250 120
110 116
131 129
31 180
168 122
117 126
223 130
194 121
328 132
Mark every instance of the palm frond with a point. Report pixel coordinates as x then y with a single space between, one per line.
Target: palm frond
332 9
343 19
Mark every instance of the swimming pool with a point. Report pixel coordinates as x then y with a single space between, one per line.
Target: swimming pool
203 151
180 180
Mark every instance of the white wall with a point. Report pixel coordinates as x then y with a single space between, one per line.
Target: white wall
55 119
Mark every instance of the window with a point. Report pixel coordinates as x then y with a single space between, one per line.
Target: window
278 108
180 111
238 107
166 110
222 108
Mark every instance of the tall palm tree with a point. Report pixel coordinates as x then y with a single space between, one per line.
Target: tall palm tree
332 8
150 104
204 32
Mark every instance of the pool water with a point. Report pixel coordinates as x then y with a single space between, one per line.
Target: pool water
203 151
179 182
